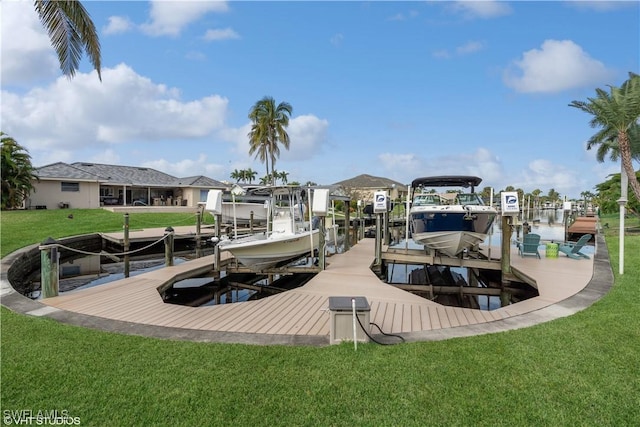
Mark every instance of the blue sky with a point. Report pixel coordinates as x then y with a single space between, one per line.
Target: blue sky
394 89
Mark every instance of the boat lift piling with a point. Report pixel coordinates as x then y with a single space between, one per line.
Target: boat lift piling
125 245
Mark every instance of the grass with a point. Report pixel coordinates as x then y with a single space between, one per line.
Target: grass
581 370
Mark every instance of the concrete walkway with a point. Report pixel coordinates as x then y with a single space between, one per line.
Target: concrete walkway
600 283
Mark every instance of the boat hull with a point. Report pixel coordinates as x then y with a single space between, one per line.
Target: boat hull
260 252
244 212
451 229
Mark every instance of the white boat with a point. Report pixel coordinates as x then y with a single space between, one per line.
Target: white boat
288 236
449 222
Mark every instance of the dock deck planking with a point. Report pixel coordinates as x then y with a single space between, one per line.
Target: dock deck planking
304 311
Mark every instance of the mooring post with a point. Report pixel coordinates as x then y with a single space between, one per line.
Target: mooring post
168 247
251 222
216 250
379 239
198 234
505 260
321 244
347 226
125 245
49 281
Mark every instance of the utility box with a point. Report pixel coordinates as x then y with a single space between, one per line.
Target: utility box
341 326
321 201
214 202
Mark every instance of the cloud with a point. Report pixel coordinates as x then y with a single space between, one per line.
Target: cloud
600 6
168 18
125 107
28 57
558 65
187 167
403 17
307 135
221 34
481 9
118 25
468 48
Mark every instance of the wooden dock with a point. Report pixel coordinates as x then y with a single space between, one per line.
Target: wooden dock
583 225
304 311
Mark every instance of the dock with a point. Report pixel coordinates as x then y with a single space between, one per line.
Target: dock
582 225
302 313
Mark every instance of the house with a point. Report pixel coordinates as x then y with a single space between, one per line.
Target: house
94 185
363 187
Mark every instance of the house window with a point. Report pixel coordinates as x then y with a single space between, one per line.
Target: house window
69 186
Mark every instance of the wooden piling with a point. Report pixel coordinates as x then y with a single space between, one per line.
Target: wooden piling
168 247
49 280
505 261
125 245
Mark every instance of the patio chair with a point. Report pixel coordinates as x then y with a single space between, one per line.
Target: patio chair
572 250
529 245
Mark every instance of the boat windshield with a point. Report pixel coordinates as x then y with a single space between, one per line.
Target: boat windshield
469 199
426 200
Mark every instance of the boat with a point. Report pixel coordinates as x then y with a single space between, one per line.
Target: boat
288 236
245 212
450 222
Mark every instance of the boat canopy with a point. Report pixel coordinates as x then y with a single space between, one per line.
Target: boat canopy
447 181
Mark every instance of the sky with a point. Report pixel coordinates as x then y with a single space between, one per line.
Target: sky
399 89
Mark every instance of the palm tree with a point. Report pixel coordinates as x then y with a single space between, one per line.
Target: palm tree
17 173
250 175
236 174
617 113
269 123
610 147
71 32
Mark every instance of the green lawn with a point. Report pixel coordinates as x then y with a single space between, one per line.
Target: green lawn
582 370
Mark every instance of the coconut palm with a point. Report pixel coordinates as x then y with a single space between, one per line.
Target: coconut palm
71 32
268 129
617 113
17 173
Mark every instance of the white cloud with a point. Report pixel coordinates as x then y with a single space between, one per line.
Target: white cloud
470 47
125 107
481 9
558 65
170 17
118 25
307 135
187 167
545 174
600 6
221 34
30 56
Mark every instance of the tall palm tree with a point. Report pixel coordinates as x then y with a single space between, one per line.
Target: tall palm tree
616 112
268 129
71 32
17 173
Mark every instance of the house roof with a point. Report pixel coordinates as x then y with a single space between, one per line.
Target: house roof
61 171
370 181
121 175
